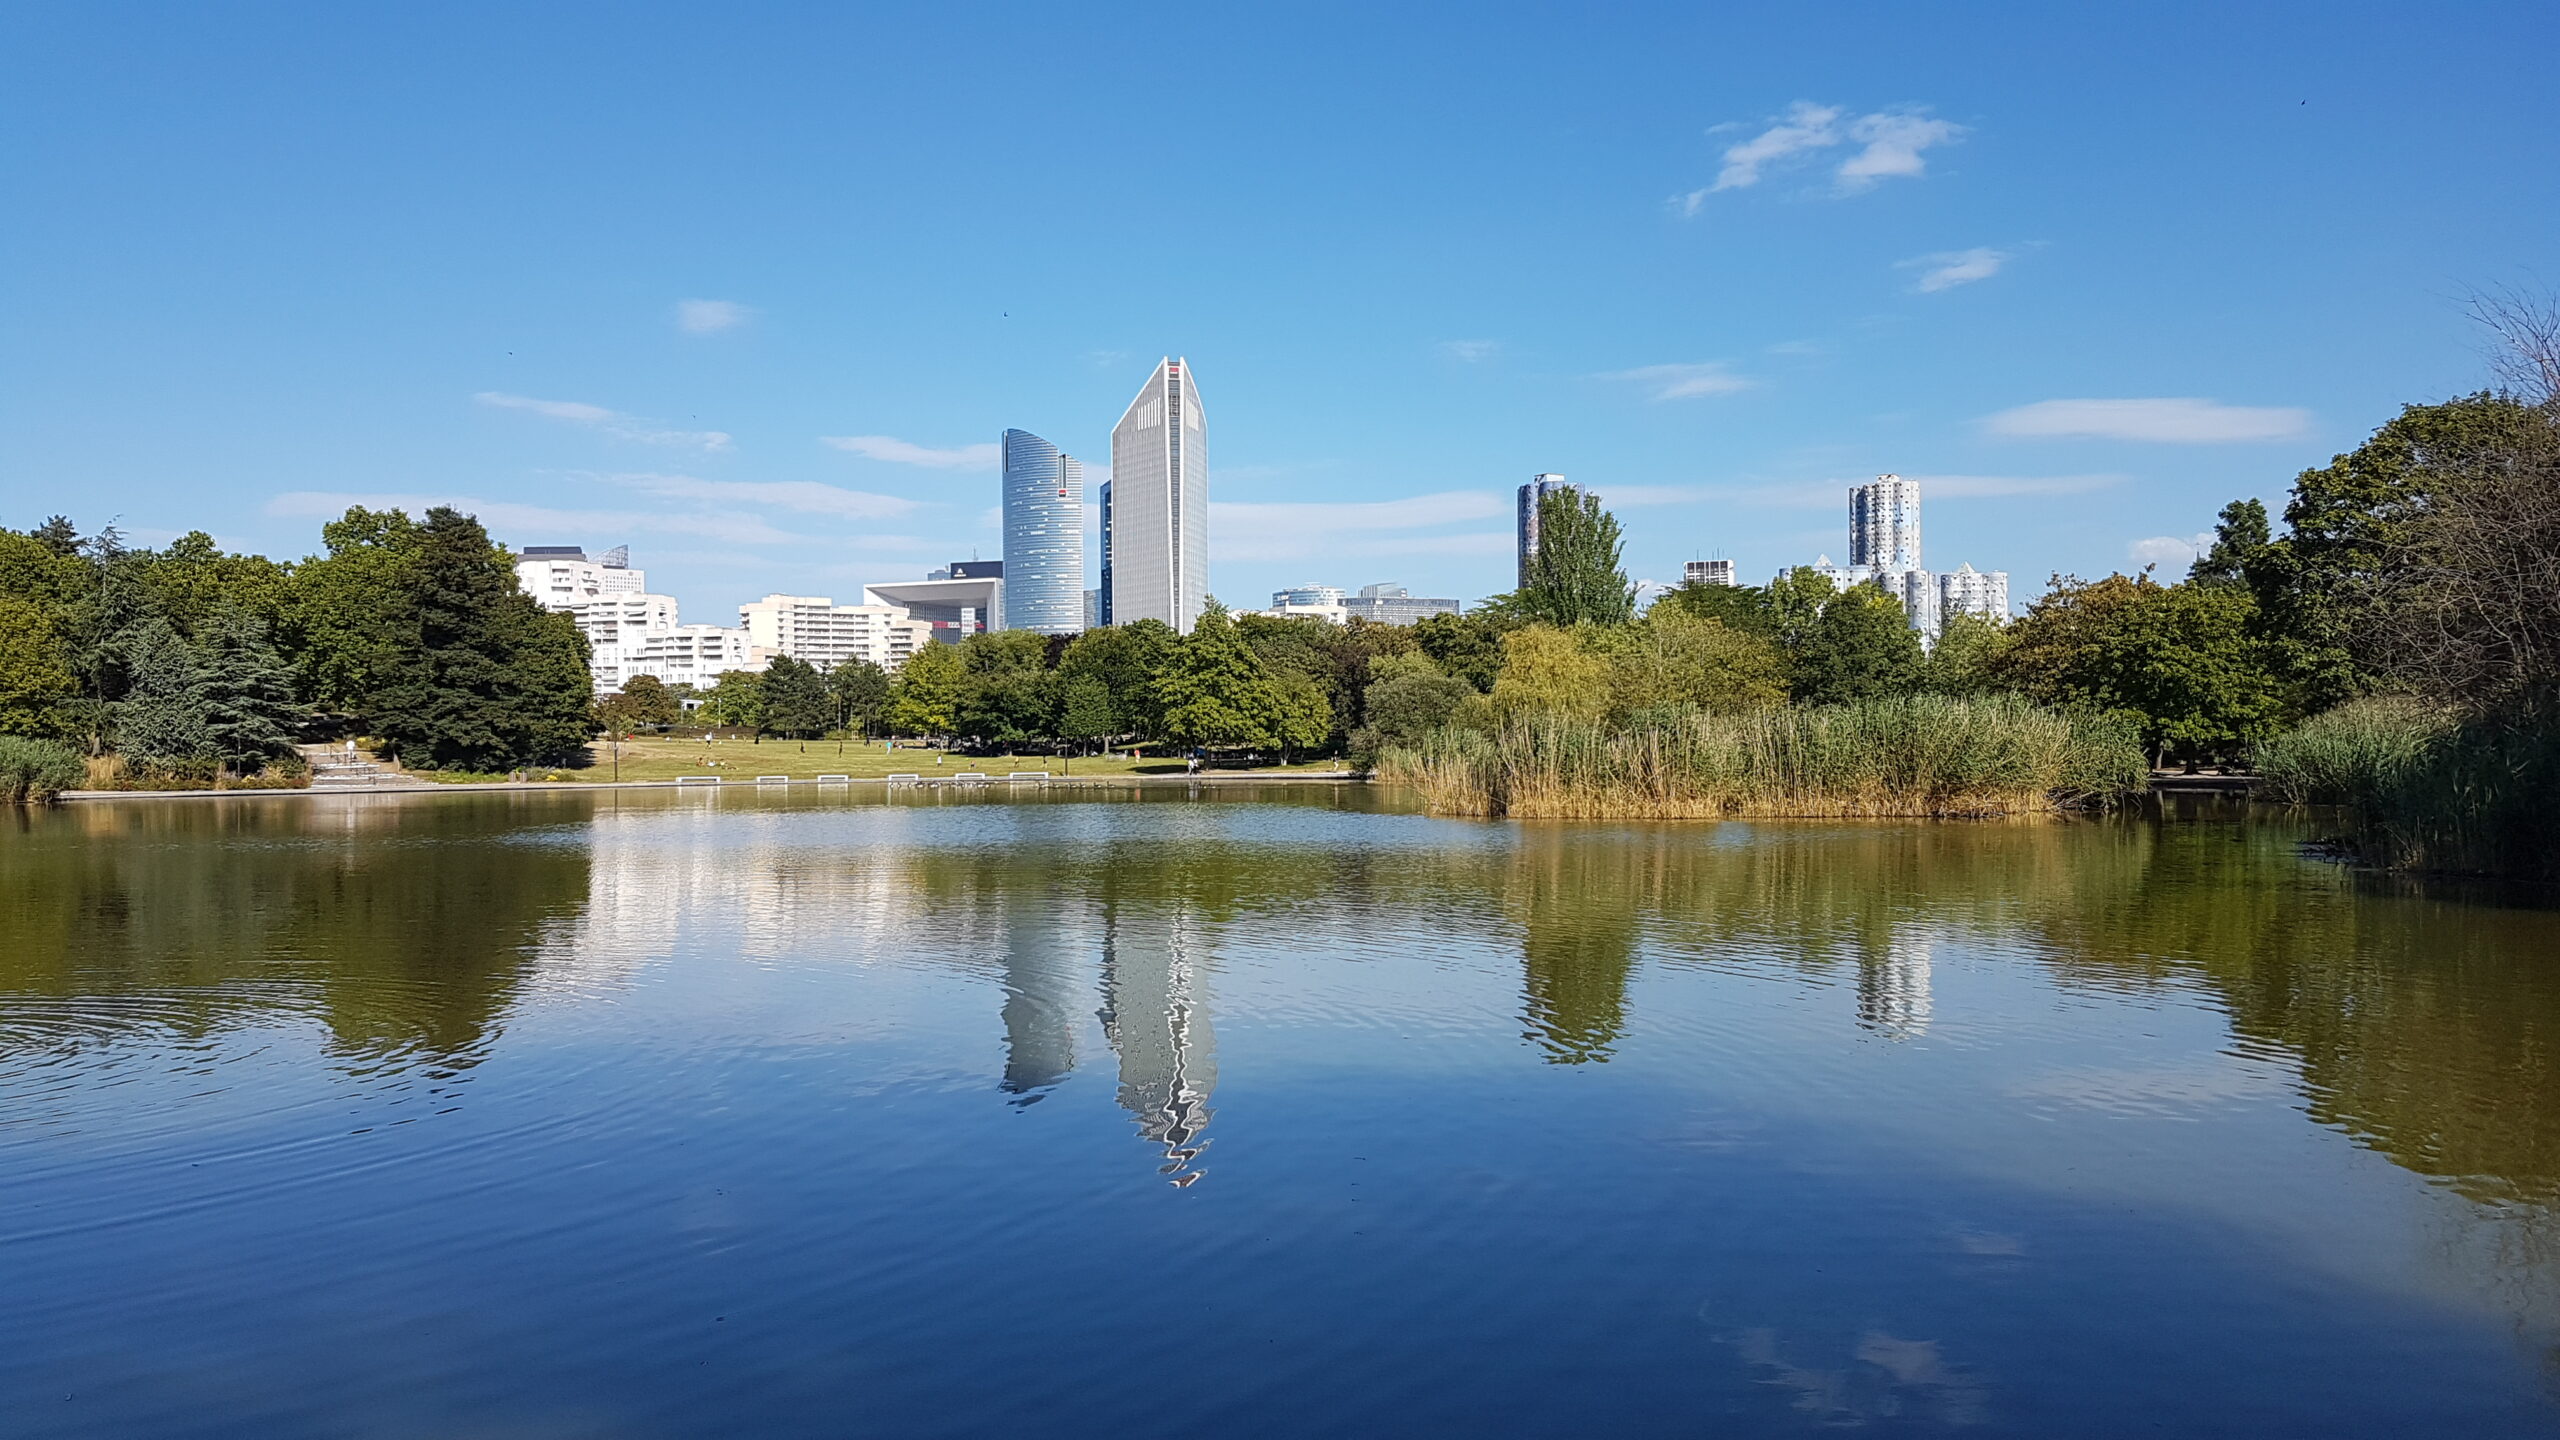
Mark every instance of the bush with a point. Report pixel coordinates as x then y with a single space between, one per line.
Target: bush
2431 790
2352 755
1911 755
36 771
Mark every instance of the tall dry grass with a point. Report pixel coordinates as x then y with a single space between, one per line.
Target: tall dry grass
1917 755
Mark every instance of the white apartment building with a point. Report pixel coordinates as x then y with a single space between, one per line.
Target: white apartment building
818 631
1709 572
561 575
1967 591
695 655
1884 524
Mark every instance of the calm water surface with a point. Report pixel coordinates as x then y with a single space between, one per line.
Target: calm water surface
688 1115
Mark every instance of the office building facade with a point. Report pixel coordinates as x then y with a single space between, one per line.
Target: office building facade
817 631
1159 548
1395 605
1043 536
1102 597
1538 489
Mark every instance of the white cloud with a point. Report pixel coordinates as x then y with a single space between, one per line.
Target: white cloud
1893 141
1681 382
1949 268
509 521
2181 421
1805 126
1252 530
2169 551
1470 351
806 496
1889 144
902 452
611 422
707 317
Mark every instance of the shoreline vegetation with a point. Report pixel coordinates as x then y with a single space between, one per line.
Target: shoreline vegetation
1906 756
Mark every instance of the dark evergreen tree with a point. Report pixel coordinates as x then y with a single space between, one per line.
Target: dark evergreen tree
1574 578
488 679
161 720
249 712
861 691
2239 536
796 700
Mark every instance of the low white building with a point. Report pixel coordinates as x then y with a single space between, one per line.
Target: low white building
695 655
816 630
1967 591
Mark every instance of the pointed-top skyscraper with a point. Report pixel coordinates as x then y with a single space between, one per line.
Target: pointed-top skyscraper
1158 552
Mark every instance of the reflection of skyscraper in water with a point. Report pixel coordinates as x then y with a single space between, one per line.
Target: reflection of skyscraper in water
1893 990
1155 1012
1044 990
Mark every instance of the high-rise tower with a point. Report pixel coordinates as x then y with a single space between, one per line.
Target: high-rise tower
1043 536
1538 488
1884 525
1159 546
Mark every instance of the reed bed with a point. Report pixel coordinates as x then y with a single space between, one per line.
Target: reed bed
2428 788
1908 756
35 771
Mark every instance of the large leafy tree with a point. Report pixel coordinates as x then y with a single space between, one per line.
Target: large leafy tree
1125 660
1574 578
491 680
1676 658
1550 671
1301 716
1466 647
1216 692
1860 646
2240 538
924 696
1409 699
1085 713
735 700
38 691
2187 662
644 701
349 615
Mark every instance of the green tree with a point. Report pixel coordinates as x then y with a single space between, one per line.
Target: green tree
37 688
1467 647
2240 537
1126 659
348 617
924 696
795 698
250 713
1862 645
861 691
1403 705
1216 692
1086 714
1574 577
1966 659
2187 662
644 702
1301 716
735 701
493 681
161 721
1676 658
1548 670
1746 608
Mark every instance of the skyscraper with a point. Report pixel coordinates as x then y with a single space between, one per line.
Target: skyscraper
1043 536
1538 488
1102 597
1159 507
1884 525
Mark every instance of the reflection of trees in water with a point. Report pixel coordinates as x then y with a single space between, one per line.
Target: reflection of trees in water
1578 942
407 934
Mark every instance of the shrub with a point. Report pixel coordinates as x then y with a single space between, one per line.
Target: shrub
36 771
2431 790
2354 754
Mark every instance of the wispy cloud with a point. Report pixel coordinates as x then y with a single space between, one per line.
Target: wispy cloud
1682 382
509 521
611 422
1948 269
903 452
2178 421
1891 144
1470 351
806 496
2169 551
709 317
1799 349
1252 530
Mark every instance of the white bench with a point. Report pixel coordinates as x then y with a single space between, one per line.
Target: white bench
773 779
906 778
1040 775
968 775
835 779
698 780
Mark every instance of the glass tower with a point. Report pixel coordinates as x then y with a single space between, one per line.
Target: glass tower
1538 488
1159 548
1043 536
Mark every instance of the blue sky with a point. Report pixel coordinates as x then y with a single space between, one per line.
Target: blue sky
753 289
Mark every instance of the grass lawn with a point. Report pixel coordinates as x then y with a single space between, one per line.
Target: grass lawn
654 758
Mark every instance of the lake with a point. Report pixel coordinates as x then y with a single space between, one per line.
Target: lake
1283 1112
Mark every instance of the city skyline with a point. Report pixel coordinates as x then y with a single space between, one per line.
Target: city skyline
1683 278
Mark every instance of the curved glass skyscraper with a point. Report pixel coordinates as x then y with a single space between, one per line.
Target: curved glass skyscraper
1043 536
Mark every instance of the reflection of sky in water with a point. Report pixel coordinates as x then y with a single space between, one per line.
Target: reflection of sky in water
1495 1129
